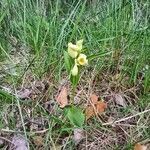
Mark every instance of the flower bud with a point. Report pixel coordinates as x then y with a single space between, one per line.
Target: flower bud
74 70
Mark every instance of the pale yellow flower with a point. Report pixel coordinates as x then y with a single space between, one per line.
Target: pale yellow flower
79 44
82 60
74 70
72 50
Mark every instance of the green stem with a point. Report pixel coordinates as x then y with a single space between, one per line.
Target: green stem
73 95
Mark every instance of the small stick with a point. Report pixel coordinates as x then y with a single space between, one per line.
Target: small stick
41 131
124 119
12 131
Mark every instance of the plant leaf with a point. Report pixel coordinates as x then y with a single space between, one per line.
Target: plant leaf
6 96
74 80
101 106
94 98
24 93
93 56
91 111
62 97
67 60
76 116
120 100
138 146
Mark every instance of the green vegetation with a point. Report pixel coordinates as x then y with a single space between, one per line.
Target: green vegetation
33 37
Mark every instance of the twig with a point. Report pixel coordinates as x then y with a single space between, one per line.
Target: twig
41 131
124 119
12 131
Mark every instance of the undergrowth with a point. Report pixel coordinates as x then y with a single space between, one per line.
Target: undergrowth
33 38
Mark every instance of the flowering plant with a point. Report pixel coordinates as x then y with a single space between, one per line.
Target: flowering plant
74 60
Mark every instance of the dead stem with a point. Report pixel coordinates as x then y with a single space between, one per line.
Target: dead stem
124 119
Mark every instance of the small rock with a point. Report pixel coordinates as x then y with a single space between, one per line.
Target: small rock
19 143
78 135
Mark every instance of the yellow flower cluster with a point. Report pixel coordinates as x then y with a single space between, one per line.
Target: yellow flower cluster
74 50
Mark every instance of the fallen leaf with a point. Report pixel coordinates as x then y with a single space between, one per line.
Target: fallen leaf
95 108
62 97
19 143
78 135
101 106
94 98
120 100
38 141
91 111
23 94
138 146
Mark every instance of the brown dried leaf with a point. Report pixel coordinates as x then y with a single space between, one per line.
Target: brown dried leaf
91 111
120 100
23 94
138 146
94 98
62 97
101 106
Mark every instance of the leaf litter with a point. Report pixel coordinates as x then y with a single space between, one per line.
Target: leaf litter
95 108
139 146
120 100
24 93
62 97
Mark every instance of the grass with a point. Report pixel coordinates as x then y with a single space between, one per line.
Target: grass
33 37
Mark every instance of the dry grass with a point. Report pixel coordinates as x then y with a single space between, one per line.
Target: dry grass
31 60
101 132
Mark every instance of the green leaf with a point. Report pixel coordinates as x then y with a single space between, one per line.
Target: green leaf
6 97
74 80
1 124
76 116
68 62
57 120
93 56
66 129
